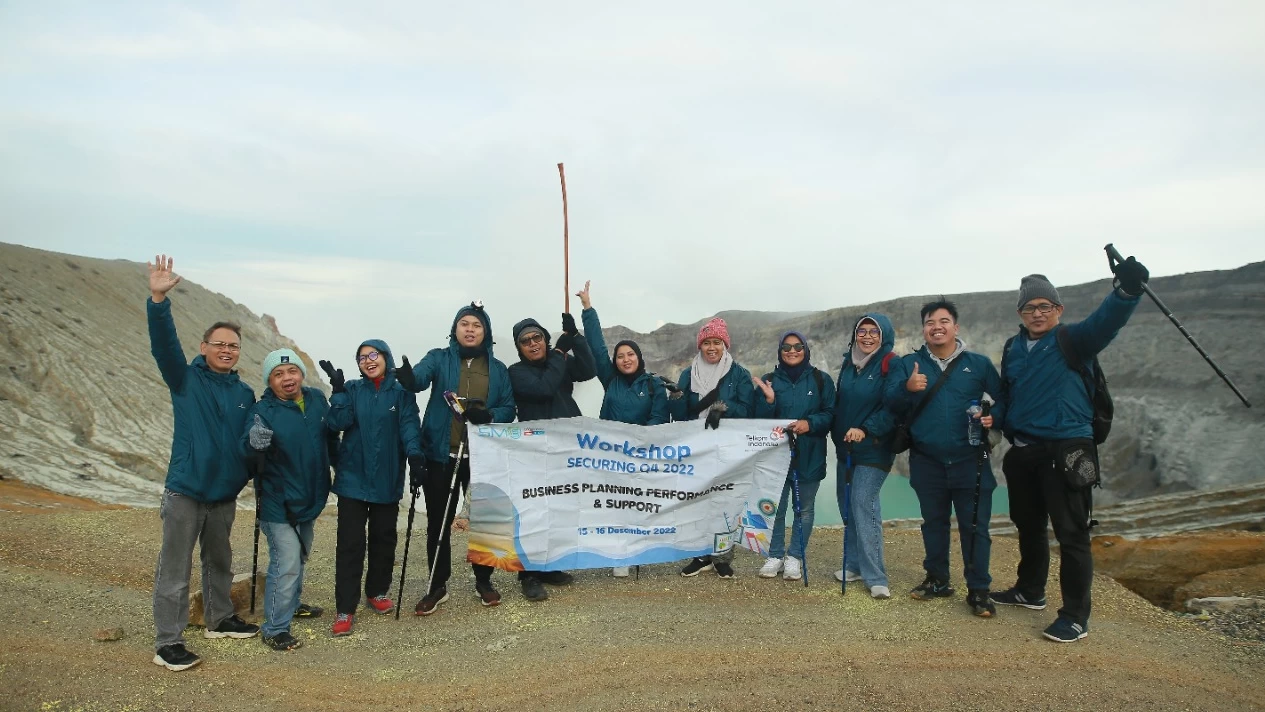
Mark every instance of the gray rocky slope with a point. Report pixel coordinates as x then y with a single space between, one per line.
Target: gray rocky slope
1178 427
82 406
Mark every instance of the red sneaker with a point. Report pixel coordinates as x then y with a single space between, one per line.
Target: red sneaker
342 624
381 604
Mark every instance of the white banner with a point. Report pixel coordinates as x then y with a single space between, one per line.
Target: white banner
581 493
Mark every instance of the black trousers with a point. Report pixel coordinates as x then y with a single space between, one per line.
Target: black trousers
1039 493
355 518
435 490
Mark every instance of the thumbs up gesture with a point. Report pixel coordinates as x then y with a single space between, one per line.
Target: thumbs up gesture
917 381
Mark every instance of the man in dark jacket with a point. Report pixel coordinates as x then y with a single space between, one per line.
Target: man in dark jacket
287 429
543 381
206 473
1050 415
468 368
945 468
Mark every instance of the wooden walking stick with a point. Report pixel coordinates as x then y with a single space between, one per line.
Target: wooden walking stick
566 245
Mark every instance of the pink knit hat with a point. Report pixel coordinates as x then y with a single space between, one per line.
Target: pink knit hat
716 328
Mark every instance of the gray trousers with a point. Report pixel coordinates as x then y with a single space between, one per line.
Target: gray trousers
186 522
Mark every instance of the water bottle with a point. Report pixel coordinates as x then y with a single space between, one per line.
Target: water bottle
974 430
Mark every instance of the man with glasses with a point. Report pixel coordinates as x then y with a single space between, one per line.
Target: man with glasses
206 473
1049 412
543 381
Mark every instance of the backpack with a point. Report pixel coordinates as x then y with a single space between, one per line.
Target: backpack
1091 375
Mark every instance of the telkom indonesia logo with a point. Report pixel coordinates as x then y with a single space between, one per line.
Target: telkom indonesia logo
512 432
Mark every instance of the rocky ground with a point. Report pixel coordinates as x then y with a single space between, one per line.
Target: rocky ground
69 569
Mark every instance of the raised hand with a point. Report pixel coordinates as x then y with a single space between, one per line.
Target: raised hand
565 342
404 374
765 387
568 324
917 381
260 436
583 294
336 380
1131 275
161 278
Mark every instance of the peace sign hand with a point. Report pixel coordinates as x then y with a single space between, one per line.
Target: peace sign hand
583 294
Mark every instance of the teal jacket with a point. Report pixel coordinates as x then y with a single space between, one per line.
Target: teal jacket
440 370
859 403
381 426
295 476
735 389
802 400
644 401
1046 400
209 409
940 430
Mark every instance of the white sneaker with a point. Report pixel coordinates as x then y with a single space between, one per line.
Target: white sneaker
620 572
851 576
792 571
880 592
772 567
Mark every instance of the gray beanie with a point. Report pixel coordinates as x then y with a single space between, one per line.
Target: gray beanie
1035 286
279 357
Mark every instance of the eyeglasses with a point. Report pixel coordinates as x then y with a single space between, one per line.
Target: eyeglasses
869 332
1044 308
371 356
787 348
222 346
532 339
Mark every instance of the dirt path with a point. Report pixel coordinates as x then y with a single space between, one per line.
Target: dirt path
660 643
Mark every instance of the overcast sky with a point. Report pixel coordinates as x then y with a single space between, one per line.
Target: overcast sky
363 169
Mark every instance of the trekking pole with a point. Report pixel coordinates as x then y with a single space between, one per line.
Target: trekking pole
847 512
408 538
458 412
985 406
254 561
797 504
1113 257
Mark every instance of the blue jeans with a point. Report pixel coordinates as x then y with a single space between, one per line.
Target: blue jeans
284 583
863 537
803 525
940 489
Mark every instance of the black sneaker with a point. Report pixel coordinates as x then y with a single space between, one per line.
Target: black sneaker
175 657
533 589
232 627
931 587
283 641
488 595
1063 630
308 611
696 565
980 604
430 602
723 569
1012 597
556 578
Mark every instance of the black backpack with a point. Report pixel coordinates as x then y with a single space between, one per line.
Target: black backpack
1093 377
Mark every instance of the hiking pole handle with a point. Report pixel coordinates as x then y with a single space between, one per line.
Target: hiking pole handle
1113 258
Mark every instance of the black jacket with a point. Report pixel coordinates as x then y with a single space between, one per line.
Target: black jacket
543 390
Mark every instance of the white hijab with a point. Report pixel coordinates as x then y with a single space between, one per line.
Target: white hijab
705 376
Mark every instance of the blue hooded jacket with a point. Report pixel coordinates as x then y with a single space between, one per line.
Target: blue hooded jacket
643 401
381 426
296 471
860 401
440 370
940 430
802 400
208 408
1046 400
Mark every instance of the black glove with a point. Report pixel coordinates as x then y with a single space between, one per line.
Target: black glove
336 380
478 416
416 471
713 415
565 342
404 374
568 324
1130 276
674 391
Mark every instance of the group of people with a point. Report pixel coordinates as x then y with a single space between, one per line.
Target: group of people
939 402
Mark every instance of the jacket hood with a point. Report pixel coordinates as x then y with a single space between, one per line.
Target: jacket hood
382 348
479 311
